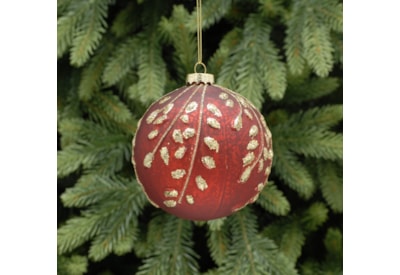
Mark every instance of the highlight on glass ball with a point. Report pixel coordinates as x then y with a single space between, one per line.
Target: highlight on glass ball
202 151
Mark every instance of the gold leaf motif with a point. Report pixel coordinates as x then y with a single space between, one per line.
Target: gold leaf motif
268 170
180 152
170 203
148 159
165 99
164 155
248 114
189 199
243 101
260 165
253 131
160 120
229 103
201 183
223 96
208 162
213 123
245 175
268 154
248 159
192 106
178 173
171 193
152 116
237 123
177 136
168 108
253 144
214 110
152 134
185 118
211 143
268 132
188 133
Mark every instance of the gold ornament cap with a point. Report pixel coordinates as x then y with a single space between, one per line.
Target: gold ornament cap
198 78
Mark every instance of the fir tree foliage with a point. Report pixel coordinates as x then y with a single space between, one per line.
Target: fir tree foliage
115 57
308 35
74 265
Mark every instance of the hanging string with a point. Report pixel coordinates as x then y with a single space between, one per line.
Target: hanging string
199 39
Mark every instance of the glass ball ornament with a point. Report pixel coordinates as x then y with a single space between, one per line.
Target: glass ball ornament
202 151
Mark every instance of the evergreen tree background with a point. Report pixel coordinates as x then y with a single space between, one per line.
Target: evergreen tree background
115 57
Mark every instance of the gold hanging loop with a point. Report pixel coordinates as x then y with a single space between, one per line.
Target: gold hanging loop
199 77
199 39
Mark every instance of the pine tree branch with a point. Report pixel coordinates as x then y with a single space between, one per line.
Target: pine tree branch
332 13
73 13
107 222
331 185
316 143
90 32
294 48
74 264
306 133
122 61
309 89
293 172
125 23
314 217
273 200
174 254
91 155
152 69
255 65
318 48
183 40
251 254
218 243
292 241
212 12
227 44
333 243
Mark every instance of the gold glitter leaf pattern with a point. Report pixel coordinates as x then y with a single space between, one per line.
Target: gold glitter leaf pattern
152 134
180 152
178 174
192 106
211 143
171 193
214 110
148 159
170 203
164 155
188 133
177 136
208 162
201 183
213 123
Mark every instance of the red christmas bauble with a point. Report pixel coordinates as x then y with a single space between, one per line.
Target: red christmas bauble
202 151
